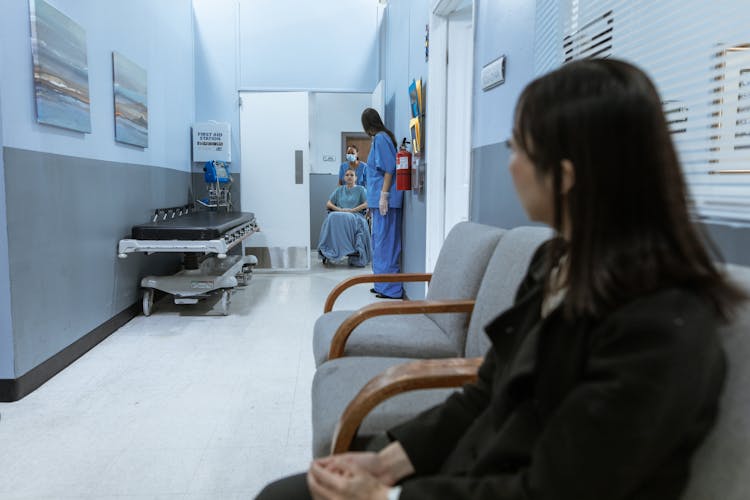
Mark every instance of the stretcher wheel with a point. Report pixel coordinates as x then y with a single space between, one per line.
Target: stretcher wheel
148 301
224 302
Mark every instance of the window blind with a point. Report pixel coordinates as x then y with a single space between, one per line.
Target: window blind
698 54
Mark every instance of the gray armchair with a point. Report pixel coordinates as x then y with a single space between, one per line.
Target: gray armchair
720 468
339 380
433 328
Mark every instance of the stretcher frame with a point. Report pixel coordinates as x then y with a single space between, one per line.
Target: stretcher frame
214 274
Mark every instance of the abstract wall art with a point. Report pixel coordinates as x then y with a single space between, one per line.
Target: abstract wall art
131 105
61 75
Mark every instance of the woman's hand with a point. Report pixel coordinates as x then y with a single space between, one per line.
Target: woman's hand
342 478
366 460
359 475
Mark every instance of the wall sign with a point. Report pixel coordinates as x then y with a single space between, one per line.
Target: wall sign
212 141
493 73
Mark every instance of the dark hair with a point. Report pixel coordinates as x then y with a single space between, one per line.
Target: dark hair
630 229
354 147
372 124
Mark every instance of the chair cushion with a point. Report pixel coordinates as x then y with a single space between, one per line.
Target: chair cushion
336 383
413 335
458 273
503 275
720 467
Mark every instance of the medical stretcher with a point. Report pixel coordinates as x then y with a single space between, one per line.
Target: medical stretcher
198 235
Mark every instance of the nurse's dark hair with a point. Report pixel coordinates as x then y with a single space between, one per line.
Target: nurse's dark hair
354 147
372 124
631 231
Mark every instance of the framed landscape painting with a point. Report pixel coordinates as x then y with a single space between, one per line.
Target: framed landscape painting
131 106
61 74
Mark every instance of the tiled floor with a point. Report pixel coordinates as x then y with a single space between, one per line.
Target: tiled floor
184 404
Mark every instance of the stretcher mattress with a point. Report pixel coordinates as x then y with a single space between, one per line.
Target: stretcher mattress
193 226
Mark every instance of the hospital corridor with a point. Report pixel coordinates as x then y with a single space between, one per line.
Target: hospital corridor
374 249
184 404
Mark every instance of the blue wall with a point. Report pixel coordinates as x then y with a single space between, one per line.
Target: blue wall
508 29
155 35
280 45
68 197
501 29
325 45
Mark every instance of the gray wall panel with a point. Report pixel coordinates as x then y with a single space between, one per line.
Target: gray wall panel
65 216
493 197
733 242
413 241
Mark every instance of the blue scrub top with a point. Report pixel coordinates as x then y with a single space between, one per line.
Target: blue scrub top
382 159
361 172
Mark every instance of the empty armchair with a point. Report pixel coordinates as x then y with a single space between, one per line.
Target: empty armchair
337 381
376 330
721 464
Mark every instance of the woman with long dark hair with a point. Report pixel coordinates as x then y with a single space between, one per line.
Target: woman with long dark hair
384 201
604 376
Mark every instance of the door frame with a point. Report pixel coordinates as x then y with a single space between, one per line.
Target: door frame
438 72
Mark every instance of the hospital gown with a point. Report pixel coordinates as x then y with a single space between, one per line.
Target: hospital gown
346 234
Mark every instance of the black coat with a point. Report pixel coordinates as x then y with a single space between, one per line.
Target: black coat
587 410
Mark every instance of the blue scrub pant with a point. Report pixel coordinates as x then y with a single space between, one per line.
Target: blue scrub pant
386 249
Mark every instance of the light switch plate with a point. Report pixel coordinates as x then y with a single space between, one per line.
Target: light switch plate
493 73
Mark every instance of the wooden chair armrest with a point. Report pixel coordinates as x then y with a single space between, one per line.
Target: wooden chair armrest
416 375
338 342
371 278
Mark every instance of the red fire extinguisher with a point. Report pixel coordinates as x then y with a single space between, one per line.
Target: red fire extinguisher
403 168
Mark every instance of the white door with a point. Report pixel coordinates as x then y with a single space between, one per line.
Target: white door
458 117
274 143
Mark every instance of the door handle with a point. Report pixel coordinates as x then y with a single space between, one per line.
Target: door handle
298 166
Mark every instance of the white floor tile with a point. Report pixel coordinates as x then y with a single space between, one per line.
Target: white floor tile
184 404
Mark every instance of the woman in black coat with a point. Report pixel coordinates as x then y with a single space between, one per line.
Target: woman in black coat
604 376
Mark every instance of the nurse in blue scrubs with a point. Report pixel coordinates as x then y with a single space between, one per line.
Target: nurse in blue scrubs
384 202
352 163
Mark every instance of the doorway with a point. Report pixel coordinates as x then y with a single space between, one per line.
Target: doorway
359 139
451 77
275 137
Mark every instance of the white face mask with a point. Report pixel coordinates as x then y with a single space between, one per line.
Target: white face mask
351 157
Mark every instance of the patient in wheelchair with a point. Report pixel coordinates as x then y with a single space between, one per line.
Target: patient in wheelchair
345 232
